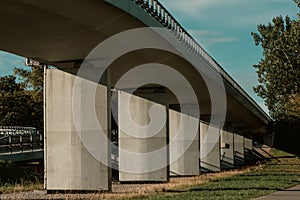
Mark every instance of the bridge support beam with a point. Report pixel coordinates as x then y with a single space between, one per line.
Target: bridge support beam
227 145
141 138
188 162
209 148
239 158
69 165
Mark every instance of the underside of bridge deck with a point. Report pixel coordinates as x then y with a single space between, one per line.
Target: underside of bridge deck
63 34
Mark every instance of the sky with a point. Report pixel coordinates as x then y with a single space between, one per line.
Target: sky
222 27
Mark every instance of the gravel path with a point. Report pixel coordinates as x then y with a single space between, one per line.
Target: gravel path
118 190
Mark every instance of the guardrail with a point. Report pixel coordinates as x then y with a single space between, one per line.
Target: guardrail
17 130
158 11
20 139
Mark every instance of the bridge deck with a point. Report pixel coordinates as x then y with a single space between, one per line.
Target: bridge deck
24 156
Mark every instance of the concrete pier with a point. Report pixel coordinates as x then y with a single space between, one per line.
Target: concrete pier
143 138
248 150
188 162
68 163
227 148
209 148
239 158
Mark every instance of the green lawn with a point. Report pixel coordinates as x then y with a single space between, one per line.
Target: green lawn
282 172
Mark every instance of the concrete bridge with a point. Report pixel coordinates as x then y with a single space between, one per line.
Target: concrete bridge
206 120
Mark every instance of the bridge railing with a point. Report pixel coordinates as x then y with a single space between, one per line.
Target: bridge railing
158 11
20 139
16 130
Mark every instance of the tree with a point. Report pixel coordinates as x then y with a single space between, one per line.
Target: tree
279 70
14 103
8 85
21 98
32 80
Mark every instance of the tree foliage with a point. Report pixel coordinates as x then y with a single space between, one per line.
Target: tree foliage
21 98
279 69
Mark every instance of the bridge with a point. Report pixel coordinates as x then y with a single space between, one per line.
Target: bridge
104 50
21 144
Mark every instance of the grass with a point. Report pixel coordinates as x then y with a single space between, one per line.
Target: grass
17 178
281 172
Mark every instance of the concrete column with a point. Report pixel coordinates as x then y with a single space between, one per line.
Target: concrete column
209 148
69 165
227 149
188 162
239 150
140 138
248 150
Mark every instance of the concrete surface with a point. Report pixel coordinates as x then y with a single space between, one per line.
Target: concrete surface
25 156
248 149
72 30
289 194
209 148
227 148
138 136
69 165
188 162
239 152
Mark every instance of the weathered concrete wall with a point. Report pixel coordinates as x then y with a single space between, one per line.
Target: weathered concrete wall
189 162
239 150
69 165
248 150
227 151
209 148
137 136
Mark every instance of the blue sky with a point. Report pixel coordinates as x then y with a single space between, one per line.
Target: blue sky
222 27
8 62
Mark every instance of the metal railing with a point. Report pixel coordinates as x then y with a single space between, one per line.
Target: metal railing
20 139
159 12
16 130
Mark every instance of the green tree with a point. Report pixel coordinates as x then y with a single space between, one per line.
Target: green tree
21 98
279 70
14 103
8 85
32 81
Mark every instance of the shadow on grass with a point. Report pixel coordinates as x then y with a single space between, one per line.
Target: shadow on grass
231 189
11 173
277 157
223 189
282 164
